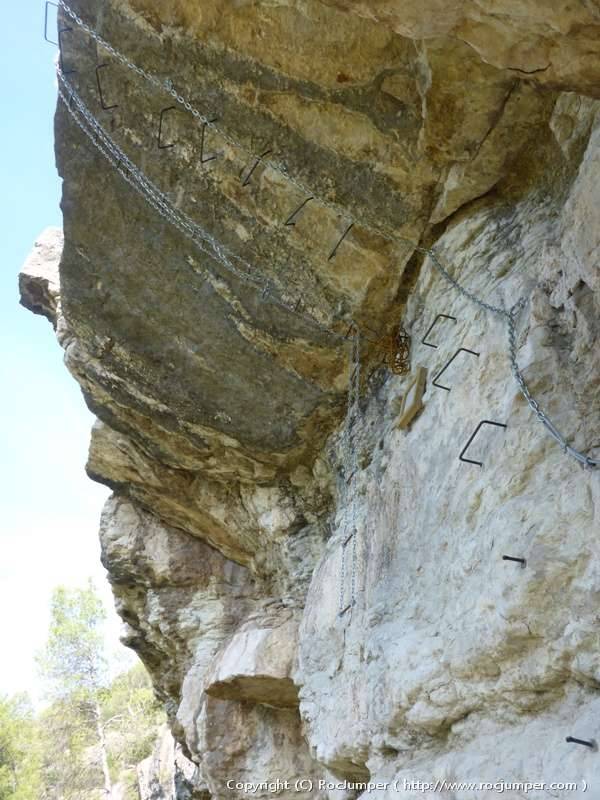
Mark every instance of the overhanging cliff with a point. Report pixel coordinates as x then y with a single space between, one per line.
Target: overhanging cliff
319 599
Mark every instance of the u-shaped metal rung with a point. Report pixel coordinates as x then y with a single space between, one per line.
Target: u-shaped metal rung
205 159
259 158
440 373
432 326
100 93
48 3
291 220
340 240
472 436
521 561
162 146
591 743
61 60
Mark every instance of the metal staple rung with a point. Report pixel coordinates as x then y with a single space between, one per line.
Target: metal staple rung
441 372
521 561
162 146
431 327
291 220
50 41
343 236
100 92
473 435
591 743
348 538
60 52
255 165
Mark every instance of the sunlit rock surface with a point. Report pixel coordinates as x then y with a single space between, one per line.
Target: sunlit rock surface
39 282
472 127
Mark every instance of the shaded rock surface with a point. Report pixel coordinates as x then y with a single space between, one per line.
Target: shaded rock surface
168 775
472 127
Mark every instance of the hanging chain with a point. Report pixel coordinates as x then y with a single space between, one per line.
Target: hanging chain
353 454
511 317
159 201
166 85
350 448
209 245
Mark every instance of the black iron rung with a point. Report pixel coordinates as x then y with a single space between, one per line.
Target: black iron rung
472 436
432 326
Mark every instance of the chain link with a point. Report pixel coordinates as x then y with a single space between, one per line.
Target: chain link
353 453
203 240
209 245
342 592
167 86
349 446
511 318
461 289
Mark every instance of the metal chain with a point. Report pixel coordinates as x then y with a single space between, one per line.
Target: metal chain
351 459
201 238
131 173
461 289
353 444
342 581
511 317
166 85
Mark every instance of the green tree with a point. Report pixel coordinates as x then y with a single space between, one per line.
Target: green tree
74 667
20 777
94 730
132 717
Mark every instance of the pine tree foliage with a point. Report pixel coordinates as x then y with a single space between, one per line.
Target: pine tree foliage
20 755
87 742
73 663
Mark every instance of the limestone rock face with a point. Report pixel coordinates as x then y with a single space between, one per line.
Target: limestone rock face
323 603
168 775
39 279
449 643
257 666
547 41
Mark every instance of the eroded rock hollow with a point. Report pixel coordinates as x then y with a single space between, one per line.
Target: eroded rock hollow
327 598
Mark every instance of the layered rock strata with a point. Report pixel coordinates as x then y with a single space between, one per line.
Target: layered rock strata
470 127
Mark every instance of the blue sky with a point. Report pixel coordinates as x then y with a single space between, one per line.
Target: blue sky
50 509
